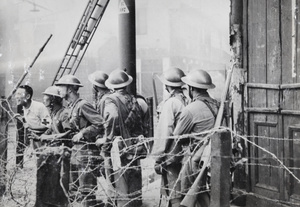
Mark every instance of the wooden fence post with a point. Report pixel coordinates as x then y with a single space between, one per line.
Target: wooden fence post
220 169
3 146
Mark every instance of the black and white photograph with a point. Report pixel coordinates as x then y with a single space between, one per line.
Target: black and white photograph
149 103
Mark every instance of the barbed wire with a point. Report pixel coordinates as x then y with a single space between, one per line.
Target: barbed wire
20 186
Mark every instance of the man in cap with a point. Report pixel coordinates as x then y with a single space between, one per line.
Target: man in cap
55 156
36 118
168 163
196 117
123 122
100 91
86 123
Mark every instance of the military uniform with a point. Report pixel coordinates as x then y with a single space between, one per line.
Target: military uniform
54 164
85 123
170 113
85 119
100 91
123 121
196 117
127 181
168 160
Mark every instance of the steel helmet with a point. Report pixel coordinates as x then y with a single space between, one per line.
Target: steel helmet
118 79
69 80
199 79
52 91
172 77
98 78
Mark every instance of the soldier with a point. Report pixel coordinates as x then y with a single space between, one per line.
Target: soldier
86 123
196 117
100 91
168 163
36 119
123 120
54 161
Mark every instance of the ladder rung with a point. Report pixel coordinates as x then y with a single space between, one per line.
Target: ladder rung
93 18
71 55
65 68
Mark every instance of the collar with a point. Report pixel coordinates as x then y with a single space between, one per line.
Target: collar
100 95
175 92
72 104
54 110
201 96
29 108
121 91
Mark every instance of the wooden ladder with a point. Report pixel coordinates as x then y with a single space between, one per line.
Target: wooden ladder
82 38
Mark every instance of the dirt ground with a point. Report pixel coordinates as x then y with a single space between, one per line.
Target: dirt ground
21 182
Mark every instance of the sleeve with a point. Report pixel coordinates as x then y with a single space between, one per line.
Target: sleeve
111 117
92 116
165 127
145 116
45 116
185 123
64 120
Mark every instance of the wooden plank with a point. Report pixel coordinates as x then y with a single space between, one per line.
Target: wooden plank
3 146
263 86
274 71
287 59
220 164
261 110
257 50
290 105
290 86
296 104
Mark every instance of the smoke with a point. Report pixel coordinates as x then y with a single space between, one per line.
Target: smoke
185 33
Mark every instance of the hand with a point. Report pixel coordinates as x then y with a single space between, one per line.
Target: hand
26 126
158 167
33 136
77 137
100 141
19 117
43 137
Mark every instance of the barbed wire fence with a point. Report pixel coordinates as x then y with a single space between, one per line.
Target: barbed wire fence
20 183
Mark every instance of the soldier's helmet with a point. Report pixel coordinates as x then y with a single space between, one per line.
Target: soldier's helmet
198 79
118 79
172 77
98 78
52 91
69 80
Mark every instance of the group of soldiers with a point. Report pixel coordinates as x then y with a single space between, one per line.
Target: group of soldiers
77 143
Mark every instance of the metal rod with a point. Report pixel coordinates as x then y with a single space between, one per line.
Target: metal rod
27 70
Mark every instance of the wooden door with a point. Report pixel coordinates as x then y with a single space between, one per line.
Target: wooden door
272 102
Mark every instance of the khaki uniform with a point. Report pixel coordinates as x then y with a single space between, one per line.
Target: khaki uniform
195 118
85 119
123 171
171 162
53 165
100 102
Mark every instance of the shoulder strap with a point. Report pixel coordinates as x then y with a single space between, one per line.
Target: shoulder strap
123 130
210 108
